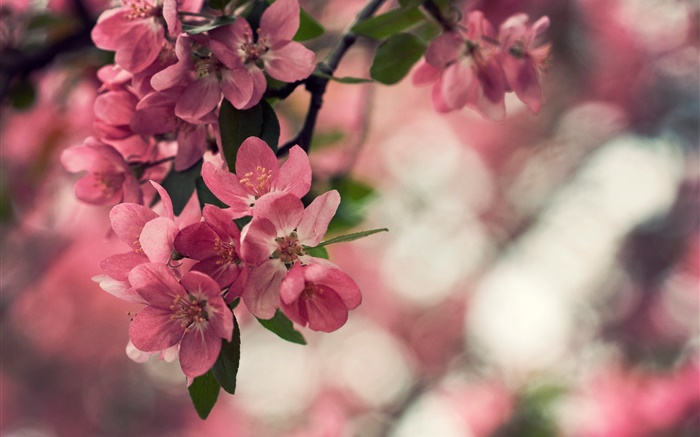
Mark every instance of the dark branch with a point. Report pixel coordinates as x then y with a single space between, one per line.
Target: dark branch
316 85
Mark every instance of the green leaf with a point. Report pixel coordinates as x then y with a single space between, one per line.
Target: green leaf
283 328
352 237
194 29
205 195
236 125
427 31
181 184
308 27
395 57
348 80
270 130
390 23
318 252
204 391
218 4
22 95
226 367
354 196
408 3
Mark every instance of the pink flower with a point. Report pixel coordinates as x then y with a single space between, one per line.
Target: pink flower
109 179
257 175
215 243
190 313
270 49
135 31
467 70
155 115
150 237
319 295
523 59
204 78
275 240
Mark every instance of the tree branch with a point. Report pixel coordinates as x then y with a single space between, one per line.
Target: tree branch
316 85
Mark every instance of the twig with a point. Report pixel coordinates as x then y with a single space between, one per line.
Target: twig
316 85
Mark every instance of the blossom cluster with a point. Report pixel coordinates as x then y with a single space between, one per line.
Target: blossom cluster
187 276
165 88
472 65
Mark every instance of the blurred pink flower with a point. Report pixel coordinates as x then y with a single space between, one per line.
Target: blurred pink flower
191 313
258 174
523 59
319 295
467 70
109 179
274 241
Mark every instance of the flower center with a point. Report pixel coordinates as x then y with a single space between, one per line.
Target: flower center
189 312
258 181
253 50
288 249
205 66
310 290
140 10
108 183
227 252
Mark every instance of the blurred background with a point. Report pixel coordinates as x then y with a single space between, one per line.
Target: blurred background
540 276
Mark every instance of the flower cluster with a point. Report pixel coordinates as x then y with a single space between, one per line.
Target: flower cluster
166 86
474 66
265 263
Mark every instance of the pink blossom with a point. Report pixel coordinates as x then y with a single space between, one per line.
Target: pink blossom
257 175
270 49
109 179
155 115
190 313
150 237
275 240
523 59
204 78
319 295
136 30
215 243
114 110
467 70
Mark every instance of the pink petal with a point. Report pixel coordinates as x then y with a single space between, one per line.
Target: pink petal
290 62
157 284
115 107
157 239
111 27
172 20
121 289
426 74
94 158
259 86
292 285
491 98
221 221
226 40
294 176
324 311
285 211
164 200
280 21
132 190
459 85
199 98
262 293
336 279
255 153
199 350
99 189
523 80
128 219
237 86
142 47
314 222
153 330
258 241
119 266
224 274
192 144
201 286
227 188
444 49
196 241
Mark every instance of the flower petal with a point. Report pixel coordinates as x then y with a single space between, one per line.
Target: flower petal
315 219
153 330
295 174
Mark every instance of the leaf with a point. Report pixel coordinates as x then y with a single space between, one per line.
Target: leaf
348 80
218 4
406 3
283 328
317 252
236 125
194 29
204 391
180 185
390 23
226 367
309 28
352 237
205 195
354 196
270 130
395 57
22 95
